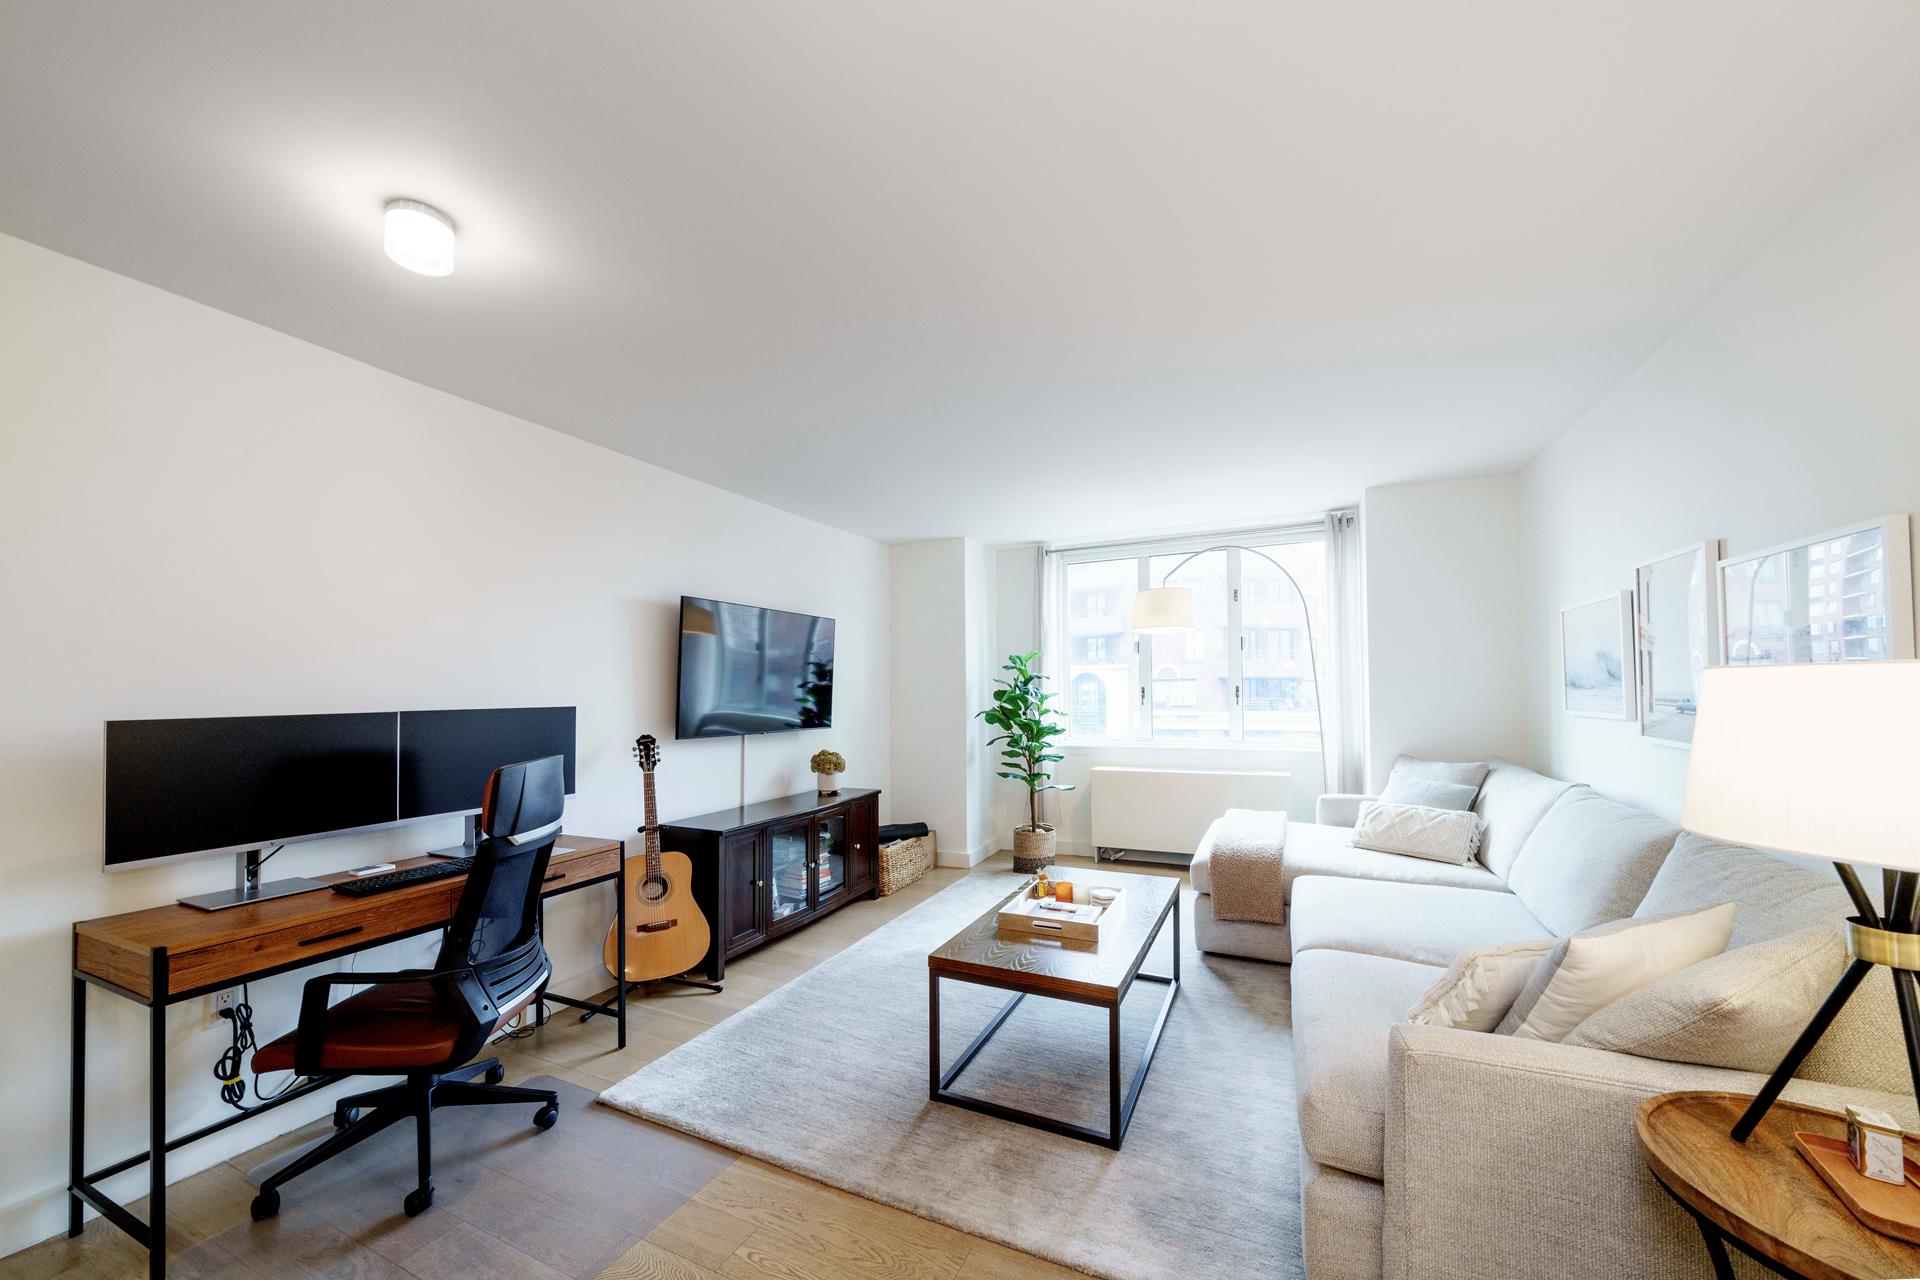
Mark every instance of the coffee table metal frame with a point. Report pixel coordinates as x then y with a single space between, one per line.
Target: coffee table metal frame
1119 1105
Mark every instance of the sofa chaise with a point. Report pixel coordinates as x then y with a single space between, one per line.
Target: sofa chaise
1430 1151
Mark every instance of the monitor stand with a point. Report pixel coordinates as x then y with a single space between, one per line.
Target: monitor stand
463 850
247 887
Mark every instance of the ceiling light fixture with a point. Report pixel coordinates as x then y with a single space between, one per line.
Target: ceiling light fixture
420 237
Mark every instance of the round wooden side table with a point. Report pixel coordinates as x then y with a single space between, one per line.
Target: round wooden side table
1761 1195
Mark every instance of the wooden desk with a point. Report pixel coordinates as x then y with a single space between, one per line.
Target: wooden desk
165 955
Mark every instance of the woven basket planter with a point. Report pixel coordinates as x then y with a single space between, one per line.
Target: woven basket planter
904 861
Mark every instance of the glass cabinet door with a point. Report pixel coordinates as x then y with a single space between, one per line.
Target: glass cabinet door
790 864
831 871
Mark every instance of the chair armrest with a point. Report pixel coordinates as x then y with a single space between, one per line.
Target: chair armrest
309 1037
1510 1157
1339 809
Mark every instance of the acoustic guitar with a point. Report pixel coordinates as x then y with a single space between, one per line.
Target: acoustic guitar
666 933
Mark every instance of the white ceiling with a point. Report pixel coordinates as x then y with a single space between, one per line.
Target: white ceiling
995 267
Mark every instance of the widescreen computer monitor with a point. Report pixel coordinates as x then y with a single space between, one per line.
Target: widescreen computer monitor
446 757
229 783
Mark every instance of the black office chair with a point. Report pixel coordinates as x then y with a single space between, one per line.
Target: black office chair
428 1025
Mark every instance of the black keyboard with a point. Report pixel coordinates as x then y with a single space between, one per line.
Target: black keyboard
390 880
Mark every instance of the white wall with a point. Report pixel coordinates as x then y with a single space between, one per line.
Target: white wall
1789 406
200 516
1445 640
928 705
980 665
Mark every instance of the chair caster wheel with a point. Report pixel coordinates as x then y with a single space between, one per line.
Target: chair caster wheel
344 1116
545 1117
496 1073
265 1205
418 1201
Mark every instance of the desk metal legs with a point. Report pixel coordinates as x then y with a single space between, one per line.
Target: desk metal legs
157 1120
83 1187
152 1233
616 1006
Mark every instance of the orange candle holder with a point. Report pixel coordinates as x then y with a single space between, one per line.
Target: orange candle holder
1063 891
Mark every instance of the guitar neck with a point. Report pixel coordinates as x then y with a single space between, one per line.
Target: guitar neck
652 828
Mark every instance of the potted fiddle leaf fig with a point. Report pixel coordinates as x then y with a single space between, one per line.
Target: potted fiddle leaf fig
1027 754
827 767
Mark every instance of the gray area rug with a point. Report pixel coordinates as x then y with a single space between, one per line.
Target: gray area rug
828 1077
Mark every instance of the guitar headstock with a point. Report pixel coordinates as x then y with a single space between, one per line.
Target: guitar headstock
647 752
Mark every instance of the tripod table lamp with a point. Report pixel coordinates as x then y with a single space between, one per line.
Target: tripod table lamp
1822 760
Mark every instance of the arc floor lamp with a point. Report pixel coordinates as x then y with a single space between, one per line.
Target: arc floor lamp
1165 610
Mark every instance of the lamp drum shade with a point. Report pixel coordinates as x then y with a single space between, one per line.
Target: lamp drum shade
1163 610
1816 759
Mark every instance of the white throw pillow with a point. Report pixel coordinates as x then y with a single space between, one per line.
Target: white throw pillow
1441 835
1589 971
1434 794
1481 986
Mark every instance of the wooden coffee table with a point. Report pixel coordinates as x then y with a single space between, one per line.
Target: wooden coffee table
1762 1195
1097 974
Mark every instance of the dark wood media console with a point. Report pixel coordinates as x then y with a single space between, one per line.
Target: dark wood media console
763 870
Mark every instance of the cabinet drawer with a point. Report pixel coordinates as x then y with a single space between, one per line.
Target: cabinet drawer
385 916
577 870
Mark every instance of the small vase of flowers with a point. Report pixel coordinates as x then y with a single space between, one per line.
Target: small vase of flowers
827 767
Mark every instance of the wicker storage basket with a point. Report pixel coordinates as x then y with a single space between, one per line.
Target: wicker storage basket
904 861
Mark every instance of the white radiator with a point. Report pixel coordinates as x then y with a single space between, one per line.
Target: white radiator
1168 810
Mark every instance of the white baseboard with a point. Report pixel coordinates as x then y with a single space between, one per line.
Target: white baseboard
963 858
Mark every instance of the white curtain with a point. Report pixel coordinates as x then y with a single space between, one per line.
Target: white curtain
1046 594
1344 695
1046 583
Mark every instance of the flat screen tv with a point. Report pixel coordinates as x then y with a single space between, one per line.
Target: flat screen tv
746 670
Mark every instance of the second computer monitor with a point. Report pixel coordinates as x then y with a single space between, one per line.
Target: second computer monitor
447 756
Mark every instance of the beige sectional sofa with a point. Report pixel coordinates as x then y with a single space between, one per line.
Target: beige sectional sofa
1437 1152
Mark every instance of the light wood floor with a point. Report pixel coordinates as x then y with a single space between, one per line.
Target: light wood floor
751 1222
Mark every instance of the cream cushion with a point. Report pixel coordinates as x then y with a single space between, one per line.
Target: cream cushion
1775 896
1429 791
1424 923
1481 986
1317 850
1465 773
1513 799
1418 831
1590 970
1344 1008
1741 1009
1589 860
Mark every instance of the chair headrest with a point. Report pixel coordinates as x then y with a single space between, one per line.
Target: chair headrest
524 801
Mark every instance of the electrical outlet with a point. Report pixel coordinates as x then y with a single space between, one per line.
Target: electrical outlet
219 1002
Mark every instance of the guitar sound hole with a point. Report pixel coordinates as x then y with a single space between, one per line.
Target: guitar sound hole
654 888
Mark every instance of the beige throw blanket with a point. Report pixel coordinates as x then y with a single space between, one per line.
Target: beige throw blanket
1245 865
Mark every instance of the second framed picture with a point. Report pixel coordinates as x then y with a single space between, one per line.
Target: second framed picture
1676 637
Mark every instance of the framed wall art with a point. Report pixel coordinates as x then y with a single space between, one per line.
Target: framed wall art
1844 596
1596 658
1676 636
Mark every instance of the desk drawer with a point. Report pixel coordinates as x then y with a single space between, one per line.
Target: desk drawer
383 916
575 870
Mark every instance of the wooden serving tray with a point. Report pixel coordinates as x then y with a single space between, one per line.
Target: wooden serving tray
1013 920
1889 1209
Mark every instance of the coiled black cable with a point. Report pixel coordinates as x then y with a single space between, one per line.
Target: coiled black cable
227 1067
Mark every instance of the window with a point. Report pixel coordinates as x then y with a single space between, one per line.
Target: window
1094 648
1089 714
1243 674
